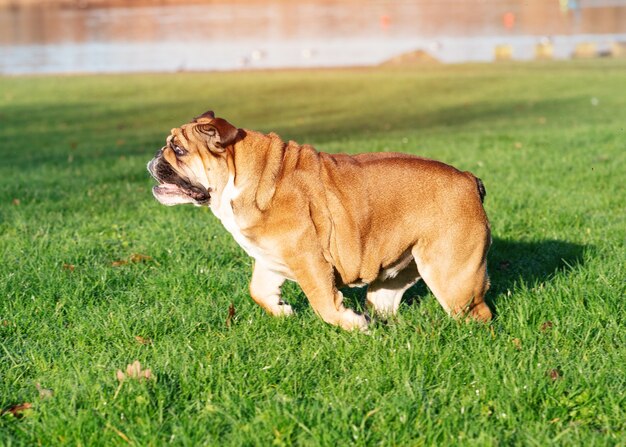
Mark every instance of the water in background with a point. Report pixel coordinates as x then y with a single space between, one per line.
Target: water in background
227 35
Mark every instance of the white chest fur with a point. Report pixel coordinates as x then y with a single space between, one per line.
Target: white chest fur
223 210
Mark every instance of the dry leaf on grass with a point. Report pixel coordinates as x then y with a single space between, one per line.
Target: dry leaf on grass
231 315
69 267
138 257
16 202
142 340
17 410
134 371
517 343
134 258
555 374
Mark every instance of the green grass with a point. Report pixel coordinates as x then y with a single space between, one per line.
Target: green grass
550 369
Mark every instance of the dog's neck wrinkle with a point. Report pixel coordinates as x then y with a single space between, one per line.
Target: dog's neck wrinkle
266 188
262 164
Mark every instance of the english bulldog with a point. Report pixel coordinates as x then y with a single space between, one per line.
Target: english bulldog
326 221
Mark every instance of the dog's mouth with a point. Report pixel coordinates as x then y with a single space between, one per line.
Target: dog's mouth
198 194
174 190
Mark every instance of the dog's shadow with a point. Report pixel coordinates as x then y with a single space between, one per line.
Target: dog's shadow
510 263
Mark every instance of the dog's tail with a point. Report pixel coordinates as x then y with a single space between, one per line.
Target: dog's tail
482 192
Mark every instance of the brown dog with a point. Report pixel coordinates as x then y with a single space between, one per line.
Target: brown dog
330 220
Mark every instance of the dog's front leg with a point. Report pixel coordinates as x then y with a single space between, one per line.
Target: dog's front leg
316 278
265 291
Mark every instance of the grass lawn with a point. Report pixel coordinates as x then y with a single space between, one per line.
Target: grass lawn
95 274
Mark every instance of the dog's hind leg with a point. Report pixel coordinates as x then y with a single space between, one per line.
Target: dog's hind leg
265 291
383 296
455 271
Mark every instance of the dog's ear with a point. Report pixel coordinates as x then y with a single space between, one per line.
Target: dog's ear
208 114
219 134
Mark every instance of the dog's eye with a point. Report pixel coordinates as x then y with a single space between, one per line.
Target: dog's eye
179 151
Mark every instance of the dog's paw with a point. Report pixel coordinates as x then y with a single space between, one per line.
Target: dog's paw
350 321
282 310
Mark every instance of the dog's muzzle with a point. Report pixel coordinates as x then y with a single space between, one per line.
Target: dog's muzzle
172 185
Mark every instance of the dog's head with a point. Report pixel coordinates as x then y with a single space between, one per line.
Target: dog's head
193 161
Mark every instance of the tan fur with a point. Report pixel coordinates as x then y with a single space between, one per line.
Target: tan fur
327 221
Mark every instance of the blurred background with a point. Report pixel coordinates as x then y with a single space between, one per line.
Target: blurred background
47 36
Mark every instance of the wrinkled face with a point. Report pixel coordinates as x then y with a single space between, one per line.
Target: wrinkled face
188 165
